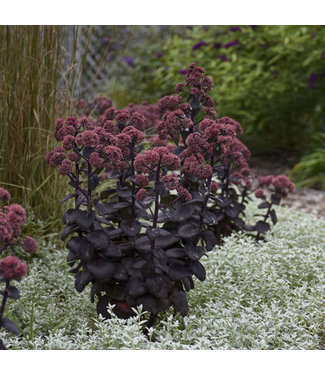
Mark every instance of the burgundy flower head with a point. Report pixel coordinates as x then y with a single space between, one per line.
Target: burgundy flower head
4 195
6 230
141 194
95 160
169 103
30 245
11 268
259 193
122 116
113 153
65 167
142 180
184 194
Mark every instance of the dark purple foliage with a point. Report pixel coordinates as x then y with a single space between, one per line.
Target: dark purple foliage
140 241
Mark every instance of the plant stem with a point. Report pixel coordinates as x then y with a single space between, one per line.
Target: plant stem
155 216
206 198
4 300
89 202
133 184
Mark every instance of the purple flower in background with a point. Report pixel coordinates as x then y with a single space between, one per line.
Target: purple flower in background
105 40
235 28
128 60
109 58
232 43
198 45
182 71
253 27
159 55
312 77
223 58
275 73
217 45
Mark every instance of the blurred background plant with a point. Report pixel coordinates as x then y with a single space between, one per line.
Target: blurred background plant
41 70
270 78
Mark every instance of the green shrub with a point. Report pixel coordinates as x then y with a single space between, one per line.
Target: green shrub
272 80
310 171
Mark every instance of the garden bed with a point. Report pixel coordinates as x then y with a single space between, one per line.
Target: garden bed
267 295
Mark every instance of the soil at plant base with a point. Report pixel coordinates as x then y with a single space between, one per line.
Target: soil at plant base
304 199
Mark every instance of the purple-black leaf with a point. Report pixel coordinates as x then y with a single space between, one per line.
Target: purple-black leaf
67 197
71 216
176 253
188 230
9 325
198 270
85 219
99 239
182 213
262 227
179 300
264 204
176 272
13 292
210 239
273 217
194 252
83 278
68 230
275 199
148 302
130 228
101 270
124 192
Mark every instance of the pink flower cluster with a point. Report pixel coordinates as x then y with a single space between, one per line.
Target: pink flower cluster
87 138
150 113
16 216
11 268
62 129
169 103
142 180
281 184
148 160
30 245
184 194
195 166
12 218
6 230
122 116
141 194
170 123
4 195
110 143
171 181
65 167
244 178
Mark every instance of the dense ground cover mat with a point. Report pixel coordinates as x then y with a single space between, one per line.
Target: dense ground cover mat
265 295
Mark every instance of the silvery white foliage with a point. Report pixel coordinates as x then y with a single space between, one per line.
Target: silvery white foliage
267 295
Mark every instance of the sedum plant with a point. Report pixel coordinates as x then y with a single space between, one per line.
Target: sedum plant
11 268
145 213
